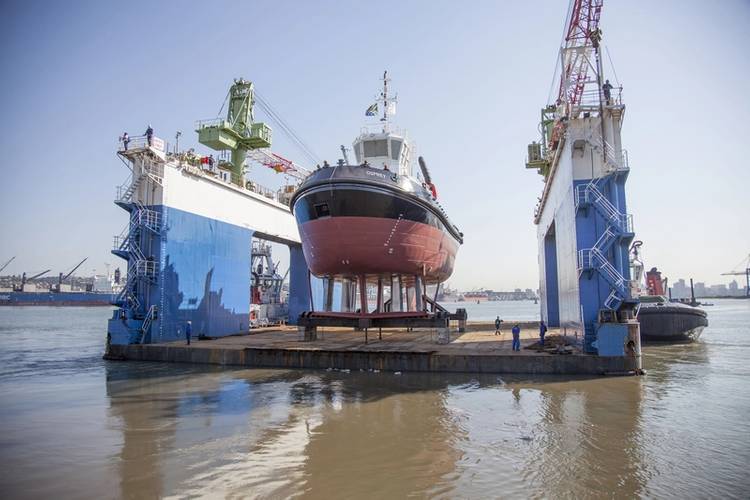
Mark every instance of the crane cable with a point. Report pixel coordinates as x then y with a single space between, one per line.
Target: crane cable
557 58
612 65
285 127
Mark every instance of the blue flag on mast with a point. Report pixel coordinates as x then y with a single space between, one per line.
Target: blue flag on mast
372 110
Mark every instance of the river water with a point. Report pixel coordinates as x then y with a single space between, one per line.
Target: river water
74 426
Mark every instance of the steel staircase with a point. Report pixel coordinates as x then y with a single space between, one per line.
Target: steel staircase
150 168
144 227
619 226
146 325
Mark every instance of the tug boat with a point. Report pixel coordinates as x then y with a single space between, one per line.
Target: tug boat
661 319
375 218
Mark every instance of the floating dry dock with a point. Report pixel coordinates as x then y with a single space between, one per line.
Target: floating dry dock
478 350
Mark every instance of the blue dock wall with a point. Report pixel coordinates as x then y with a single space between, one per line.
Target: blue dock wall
299 284
204 277
593 289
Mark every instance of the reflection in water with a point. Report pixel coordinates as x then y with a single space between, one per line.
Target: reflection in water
77 427
299 432
281 433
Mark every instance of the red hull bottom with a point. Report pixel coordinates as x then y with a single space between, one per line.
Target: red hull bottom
353 246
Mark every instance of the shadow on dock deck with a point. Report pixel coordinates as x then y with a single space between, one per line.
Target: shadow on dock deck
478 350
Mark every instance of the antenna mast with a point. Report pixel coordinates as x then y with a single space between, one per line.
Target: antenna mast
387 102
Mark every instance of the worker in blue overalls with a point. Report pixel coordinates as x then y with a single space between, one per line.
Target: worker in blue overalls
188 331
542 331
516 337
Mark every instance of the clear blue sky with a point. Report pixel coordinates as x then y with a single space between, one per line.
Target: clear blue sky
470 81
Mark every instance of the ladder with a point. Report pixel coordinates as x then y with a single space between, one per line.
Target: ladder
619 226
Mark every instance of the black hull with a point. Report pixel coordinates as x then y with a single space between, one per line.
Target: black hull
356 191
669 322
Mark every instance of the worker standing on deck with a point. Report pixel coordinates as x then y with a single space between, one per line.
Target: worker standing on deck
125 140
149 134
607 88
188 331
516 337
542 331
498 322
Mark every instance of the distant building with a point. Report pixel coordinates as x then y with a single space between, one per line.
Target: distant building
680 290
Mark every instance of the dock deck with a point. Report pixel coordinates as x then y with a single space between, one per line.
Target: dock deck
478 350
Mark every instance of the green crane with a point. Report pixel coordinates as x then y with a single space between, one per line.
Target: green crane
237 133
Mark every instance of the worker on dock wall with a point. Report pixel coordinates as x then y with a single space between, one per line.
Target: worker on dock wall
498 323
516 337
149 134
542 332
607 88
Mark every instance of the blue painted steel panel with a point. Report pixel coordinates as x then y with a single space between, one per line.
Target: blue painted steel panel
592 288
56 298
299 284
204 277
550 273
611 339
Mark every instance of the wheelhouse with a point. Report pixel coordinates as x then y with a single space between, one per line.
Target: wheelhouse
384 149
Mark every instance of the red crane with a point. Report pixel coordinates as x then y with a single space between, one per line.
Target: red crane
581 37
581 41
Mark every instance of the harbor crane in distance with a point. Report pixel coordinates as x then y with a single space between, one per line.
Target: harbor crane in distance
25 280
6 264
742 268
61 278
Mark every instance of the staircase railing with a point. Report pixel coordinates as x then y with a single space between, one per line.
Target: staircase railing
618 224
150 317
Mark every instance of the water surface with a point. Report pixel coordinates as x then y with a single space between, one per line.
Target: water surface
75 426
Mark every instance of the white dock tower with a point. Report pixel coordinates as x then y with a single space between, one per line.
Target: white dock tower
584 230
190 229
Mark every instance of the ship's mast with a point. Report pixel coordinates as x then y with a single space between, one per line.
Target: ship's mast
384 95
386 102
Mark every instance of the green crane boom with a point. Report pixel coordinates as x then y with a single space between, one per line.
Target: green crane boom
237 133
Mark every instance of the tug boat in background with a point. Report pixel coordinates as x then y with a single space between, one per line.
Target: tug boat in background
376 219
662 320
268 305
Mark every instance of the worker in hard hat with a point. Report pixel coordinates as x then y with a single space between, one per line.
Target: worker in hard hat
188 331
